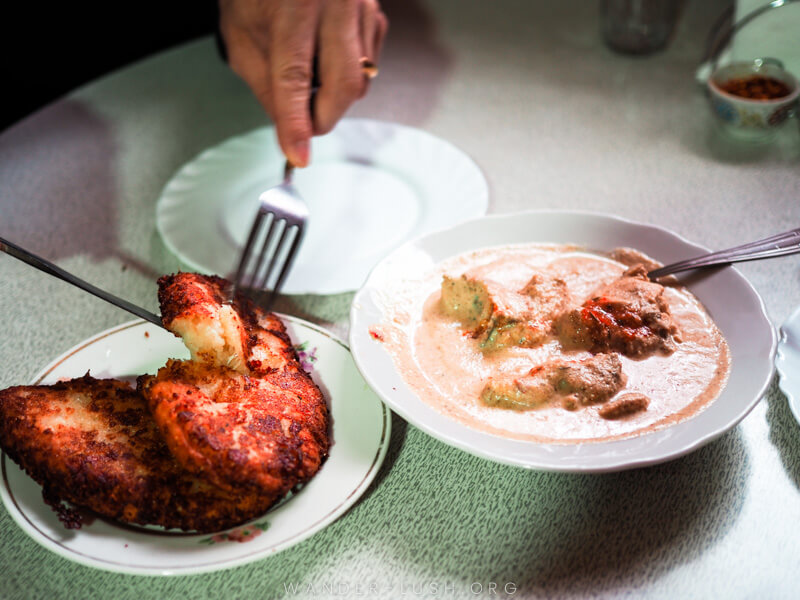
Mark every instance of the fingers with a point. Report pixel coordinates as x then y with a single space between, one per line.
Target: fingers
244 28
271 45
349 31
291 51
340 47
249 63
374 26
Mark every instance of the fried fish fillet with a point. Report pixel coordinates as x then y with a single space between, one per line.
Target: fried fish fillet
242 413
92 442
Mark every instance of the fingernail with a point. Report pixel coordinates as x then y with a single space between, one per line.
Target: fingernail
302 153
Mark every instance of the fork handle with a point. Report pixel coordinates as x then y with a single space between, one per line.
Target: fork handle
51 269
776 245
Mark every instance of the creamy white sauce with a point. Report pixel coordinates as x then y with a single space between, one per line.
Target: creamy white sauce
446 369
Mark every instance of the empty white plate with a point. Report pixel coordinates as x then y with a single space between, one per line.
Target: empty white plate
371 186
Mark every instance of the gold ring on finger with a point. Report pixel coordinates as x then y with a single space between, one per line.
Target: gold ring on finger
368 68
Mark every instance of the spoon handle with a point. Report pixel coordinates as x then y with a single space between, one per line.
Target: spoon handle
777 245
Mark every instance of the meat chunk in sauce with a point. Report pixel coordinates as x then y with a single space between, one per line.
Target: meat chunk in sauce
624 406
499 317
570 384
630 315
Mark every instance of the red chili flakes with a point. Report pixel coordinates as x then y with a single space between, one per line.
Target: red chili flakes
147 334
756 87
376 335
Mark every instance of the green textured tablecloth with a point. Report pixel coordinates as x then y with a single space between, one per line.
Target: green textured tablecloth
555 120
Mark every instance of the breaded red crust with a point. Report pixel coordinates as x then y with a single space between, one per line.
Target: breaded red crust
262 428
259 435
194 297
93 443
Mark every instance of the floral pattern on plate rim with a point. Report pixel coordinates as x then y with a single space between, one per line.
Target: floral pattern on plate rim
241 534
306 357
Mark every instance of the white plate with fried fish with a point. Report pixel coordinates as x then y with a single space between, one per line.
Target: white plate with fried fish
361 433
379 327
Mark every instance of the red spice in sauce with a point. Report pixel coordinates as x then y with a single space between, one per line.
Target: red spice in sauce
756 87
609 315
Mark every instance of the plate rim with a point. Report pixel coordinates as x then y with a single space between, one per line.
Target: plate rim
787 378
481 197
347 502
623 462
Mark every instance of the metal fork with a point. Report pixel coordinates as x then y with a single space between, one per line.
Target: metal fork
281 211
777 245
274 239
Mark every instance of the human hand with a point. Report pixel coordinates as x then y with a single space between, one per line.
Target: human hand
272 45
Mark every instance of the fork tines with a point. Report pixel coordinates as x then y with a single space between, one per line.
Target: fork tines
272 245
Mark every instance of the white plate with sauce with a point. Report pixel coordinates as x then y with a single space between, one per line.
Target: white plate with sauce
729 298
788 362
370 187
361 431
